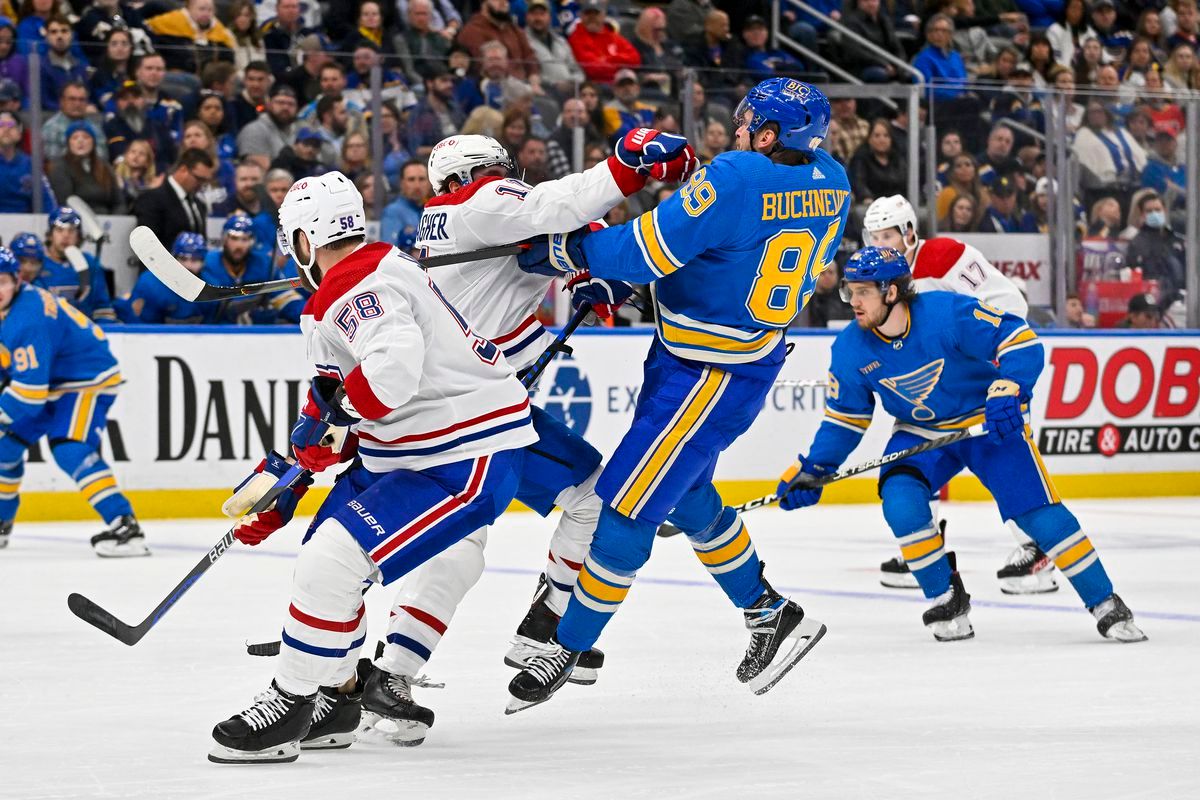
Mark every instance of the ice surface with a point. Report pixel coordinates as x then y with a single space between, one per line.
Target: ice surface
1037 705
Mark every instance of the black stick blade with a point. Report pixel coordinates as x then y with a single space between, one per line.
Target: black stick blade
97 617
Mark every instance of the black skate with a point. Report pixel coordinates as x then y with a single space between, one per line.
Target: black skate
544 674
123 539
337 714
895 574
947 617
772 621
5 532
268 732
1028 571
390 712
537 629
1114 620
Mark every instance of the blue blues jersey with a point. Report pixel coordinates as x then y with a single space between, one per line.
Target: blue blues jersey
48 347
60 279
151 301
255 310
933 377
733 255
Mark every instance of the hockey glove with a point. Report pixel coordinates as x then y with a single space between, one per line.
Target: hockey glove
555 255
678 169
322 426
796 487
1002 411
642 148
604 296
254 528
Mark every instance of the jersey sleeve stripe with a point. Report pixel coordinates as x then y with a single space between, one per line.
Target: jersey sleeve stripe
363 397
853 421
29 393
654 250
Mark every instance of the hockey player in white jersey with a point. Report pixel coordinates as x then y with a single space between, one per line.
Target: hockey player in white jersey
442 423
478 204
947 265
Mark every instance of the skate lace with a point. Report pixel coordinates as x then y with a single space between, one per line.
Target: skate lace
268 708
323 707
400 685
1022 556
547 662
424 682
761 621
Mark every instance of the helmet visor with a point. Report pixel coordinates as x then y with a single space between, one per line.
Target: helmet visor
739 115
285 246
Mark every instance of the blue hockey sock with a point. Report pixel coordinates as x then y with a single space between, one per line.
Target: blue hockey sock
906 509
1057 532
12 469
94 478
725 550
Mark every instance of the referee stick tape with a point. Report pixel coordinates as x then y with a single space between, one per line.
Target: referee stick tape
667 529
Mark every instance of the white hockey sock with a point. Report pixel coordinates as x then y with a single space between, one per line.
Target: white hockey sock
571 540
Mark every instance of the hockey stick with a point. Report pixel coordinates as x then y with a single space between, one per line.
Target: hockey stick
179 279
91 230
96 616
811 384
667 529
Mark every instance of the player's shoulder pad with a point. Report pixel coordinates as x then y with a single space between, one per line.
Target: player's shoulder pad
937 256
347 274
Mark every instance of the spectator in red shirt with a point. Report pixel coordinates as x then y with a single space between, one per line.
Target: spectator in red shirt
598 47
494 22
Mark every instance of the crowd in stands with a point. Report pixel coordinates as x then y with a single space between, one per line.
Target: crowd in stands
177 110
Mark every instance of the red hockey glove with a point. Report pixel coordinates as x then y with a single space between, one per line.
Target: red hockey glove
678 169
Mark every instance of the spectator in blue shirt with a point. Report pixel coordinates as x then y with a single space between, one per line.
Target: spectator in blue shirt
60 65
402 216
16 170
1163 172
1000 216
939 62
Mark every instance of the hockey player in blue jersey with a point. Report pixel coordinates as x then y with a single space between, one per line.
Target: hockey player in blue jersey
61 380
152 302
731 258
234 263
59 277
941 362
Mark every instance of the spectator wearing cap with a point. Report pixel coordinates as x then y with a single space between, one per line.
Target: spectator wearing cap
436 116
1157 249
1110 159
303 157
10 96
172 207
60 65
358 81
72 104
191 37
598 47
275 128
113 66
1113 38
1000 216
760 61
718 57
494 23
129 122
13 66
685 18
1163 173
865 19
625 111
559 69
305 78
83 172
1037 218
426 47
281 35
1143 313
1018 101
495 80
252 99
16 170
402 216
661 56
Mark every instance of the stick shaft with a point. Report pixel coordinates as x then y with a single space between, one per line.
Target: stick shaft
538 367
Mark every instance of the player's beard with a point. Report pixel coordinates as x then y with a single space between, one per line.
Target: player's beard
872 322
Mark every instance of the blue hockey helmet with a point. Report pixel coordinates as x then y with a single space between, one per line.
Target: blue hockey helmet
879 265
240 224
8 262
28 245
189 245
800 110
65 216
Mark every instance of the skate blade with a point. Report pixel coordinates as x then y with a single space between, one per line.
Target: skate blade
1029 584
581 676
516 705
283 754
110 550
1126 633
954 630
806 634
332 741
402 733
899 581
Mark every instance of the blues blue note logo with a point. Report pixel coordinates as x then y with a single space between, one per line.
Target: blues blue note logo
569 396
916 386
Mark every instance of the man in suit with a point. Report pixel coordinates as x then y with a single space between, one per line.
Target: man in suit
172 207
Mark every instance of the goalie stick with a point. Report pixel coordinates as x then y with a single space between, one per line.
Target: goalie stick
667 529
96 616
90 228
179 279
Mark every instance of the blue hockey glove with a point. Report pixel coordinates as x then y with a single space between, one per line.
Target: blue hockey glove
322 412
604 296
799 477
555 255
1002 411
642 148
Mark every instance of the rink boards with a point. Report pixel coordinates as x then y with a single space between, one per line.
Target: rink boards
1115 414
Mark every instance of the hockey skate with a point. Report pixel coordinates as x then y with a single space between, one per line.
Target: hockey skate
537 629
123 539
1027 571
947 617
268 732
895 574
389 711
1114 620
5 532
544 674
337 714
773 620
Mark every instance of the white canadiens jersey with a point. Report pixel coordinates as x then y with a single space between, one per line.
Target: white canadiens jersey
429 390
495 294
948 265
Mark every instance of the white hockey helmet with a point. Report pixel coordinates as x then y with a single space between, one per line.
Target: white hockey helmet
326 208
459 156
893 211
